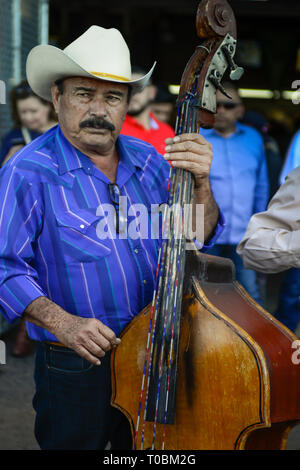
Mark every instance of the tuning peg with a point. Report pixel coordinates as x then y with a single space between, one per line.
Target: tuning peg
215 79
236 71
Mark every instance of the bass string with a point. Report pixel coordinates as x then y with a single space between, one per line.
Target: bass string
168 290
177 287
174 198
154 310
175 317
168 300
147 354
180 189
186 198
177 280
161 278
176 182
173 185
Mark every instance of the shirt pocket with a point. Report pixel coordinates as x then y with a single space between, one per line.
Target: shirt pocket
78 237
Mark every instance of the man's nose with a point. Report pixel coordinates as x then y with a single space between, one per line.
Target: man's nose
98 107
220 111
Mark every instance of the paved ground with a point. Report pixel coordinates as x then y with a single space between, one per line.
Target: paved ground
16 392
17 415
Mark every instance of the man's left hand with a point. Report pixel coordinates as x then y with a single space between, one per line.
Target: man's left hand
190 152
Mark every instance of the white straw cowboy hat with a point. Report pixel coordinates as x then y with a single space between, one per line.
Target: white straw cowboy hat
98 53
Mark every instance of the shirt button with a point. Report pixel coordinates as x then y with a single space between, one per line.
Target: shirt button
136 250
81 226
144 281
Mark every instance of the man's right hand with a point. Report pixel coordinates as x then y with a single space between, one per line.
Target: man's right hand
89 337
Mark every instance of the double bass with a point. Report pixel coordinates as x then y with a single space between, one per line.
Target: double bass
204 367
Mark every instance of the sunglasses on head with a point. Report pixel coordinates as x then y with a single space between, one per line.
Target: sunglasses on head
115 194
227 104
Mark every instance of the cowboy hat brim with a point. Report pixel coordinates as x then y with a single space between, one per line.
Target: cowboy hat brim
46 64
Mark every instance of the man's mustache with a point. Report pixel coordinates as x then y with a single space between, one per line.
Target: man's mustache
97 123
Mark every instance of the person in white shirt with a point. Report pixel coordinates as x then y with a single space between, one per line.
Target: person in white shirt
271 243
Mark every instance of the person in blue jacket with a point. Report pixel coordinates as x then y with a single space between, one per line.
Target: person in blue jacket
239 180
31 115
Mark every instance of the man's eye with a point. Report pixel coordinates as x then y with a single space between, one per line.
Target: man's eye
113 99
83 93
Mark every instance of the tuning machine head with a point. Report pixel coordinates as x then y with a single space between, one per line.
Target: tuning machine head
235 71
215 78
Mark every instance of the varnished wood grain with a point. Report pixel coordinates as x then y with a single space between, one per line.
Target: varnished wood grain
237 387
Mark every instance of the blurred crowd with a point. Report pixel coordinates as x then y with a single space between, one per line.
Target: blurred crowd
253 152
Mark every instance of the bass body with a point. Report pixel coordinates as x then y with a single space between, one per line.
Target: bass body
204 367
238 387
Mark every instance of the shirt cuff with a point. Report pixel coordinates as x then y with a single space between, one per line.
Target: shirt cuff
215 235
16 294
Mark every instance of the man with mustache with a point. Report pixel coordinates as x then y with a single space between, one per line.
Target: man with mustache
97 123
77 291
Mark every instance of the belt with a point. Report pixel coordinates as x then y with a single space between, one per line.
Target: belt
53 343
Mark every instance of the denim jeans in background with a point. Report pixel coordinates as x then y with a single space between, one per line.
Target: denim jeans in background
288 311
246 277
72 403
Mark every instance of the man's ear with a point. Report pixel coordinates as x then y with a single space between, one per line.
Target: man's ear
240 111
55 97
152 92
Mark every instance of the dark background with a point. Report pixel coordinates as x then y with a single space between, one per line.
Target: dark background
164 30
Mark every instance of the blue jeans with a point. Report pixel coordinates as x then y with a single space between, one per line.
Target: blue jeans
288 311
246 277
72 403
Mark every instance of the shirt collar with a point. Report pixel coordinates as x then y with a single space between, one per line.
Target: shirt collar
239 128
134 122
128 154
70 158
154 122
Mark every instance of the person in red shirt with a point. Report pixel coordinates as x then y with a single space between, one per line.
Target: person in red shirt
140 122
